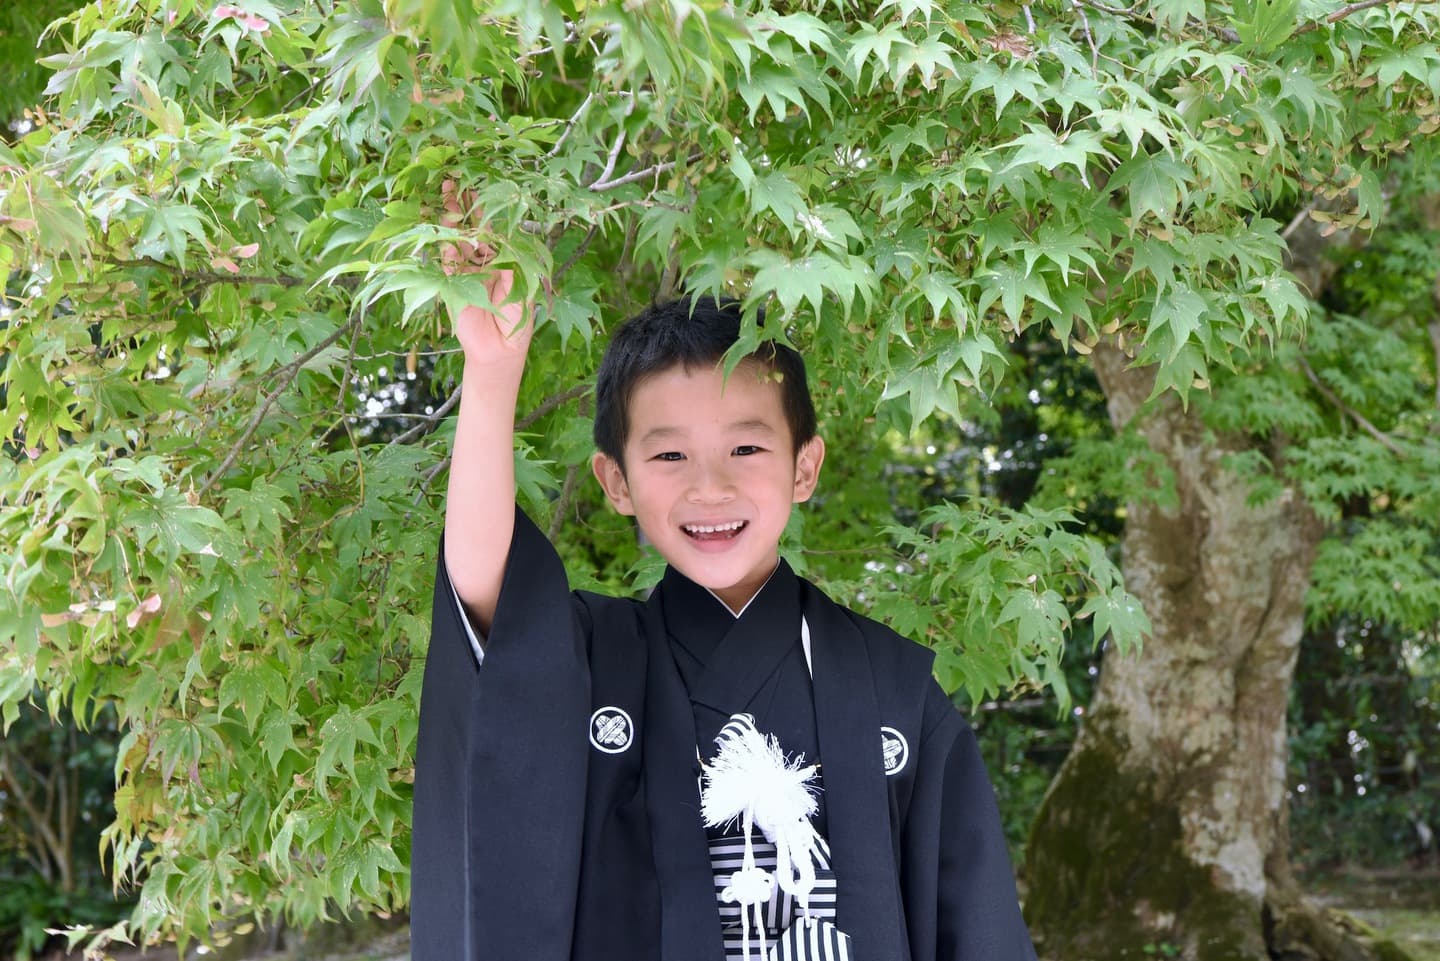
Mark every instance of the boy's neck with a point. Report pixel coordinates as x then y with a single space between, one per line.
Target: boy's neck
737 611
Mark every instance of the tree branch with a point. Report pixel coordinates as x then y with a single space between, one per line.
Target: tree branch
562 503
287 374
572 33
429 478
1089 36
1229 34
1348 411
611 160
1299 219
1126 12
349 364
575 256
44 839
392 415
304 95
570 125
634 175
210 276
1024 704
429 421
550 403
1339 15
69 791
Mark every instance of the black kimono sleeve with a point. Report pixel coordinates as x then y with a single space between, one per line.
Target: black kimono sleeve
499 771
961 902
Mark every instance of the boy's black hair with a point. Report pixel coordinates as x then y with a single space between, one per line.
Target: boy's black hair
693 332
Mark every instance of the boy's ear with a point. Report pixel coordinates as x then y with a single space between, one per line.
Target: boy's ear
807 468
612 480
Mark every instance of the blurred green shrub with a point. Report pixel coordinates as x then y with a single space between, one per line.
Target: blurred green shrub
56 794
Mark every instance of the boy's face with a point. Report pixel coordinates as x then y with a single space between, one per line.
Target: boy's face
710 474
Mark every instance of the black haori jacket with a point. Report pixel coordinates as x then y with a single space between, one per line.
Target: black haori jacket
556 799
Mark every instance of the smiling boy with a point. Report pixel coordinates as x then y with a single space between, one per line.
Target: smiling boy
572 746
710 468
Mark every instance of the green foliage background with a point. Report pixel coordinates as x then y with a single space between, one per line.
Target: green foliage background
21 26
226 376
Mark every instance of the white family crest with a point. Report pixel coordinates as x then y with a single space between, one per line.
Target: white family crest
611 730
897 750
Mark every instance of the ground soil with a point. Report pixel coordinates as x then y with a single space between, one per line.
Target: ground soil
1401 903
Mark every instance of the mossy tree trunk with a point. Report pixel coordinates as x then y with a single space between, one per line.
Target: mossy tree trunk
1165 833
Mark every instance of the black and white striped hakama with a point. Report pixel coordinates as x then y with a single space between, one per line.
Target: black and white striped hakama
789 936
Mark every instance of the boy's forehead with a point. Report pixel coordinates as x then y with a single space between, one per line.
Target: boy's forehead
694 393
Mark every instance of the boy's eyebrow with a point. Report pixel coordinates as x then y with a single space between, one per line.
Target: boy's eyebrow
661 433
666 432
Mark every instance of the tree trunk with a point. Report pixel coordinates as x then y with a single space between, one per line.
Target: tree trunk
1165 832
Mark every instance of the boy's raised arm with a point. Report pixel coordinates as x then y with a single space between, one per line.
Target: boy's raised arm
480 501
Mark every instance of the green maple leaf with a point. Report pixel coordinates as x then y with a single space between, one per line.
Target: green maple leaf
339 736
1157 184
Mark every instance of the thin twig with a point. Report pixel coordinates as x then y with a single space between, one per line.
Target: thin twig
634 175
1353 414
1299 219
425 483
670 277
429 421
562 503
303 95
1090 37
390 415
429 478
1029 19
39 822
210 276
438 352
570 125
1024 704
574 256
572 34
550 403
349 364
69 810
1117 11
611 160
1339 15
287 374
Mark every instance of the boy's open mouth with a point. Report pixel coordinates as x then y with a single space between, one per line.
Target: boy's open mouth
714 532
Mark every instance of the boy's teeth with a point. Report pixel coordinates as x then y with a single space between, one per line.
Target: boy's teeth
714 528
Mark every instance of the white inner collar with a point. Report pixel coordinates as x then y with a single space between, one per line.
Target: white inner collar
804 624
736 614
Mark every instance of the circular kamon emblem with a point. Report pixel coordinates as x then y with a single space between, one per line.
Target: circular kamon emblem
611 730
897 750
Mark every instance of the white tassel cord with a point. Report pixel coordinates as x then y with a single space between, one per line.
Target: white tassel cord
752 782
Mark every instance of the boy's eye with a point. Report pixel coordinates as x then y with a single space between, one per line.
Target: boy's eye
745 449
669 455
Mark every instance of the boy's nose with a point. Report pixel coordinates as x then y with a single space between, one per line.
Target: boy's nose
710 484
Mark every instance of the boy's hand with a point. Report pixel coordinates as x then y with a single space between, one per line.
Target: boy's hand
487 337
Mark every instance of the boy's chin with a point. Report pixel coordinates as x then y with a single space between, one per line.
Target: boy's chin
729 581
